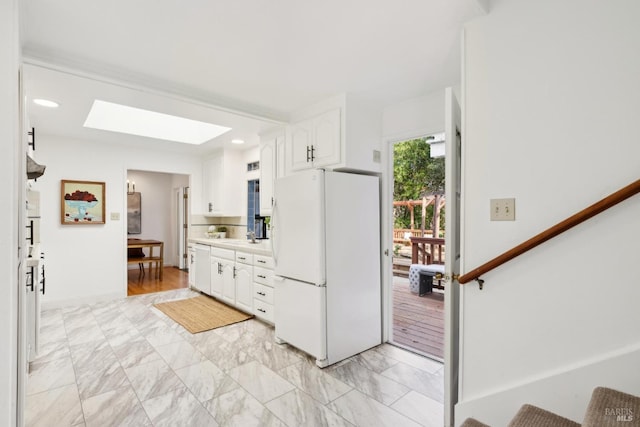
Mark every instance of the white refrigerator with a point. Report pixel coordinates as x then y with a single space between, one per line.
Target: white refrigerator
326 248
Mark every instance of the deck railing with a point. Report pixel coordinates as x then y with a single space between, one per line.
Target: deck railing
427 250
400 234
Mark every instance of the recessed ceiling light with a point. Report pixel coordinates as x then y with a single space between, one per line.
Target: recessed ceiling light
237 141
136 121
45 103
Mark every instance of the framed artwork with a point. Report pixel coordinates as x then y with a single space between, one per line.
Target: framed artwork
82 202
134 219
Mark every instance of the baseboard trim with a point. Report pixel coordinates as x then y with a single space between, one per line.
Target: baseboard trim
564 391
52 305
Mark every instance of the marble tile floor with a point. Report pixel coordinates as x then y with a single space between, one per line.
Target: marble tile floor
125 363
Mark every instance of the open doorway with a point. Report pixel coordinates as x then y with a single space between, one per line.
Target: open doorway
418 245
157 227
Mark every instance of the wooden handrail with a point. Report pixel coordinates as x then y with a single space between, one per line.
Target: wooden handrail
561 227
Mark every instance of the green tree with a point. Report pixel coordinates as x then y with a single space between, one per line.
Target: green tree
416 175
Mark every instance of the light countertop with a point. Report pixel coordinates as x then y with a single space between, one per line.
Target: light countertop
262 247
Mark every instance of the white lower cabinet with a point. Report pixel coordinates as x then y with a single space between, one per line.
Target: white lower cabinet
241 279
202 274
244 281
222 263
244 287
192 266
263 300
228 283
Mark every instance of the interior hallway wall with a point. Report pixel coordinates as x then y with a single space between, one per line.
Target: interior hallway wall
551 103
88 262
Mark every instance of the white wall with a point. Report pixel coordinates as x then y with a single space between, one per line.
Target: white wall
86 263
414 117
551 98
9 183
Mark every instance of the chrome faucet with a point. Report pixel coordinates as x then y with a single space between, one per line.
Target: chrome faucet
252 235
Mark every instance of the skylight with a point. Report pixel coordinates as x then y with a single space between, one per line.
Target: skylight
136 121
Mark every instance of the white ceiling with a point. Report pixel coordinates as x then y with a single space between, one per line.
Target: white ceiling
258 57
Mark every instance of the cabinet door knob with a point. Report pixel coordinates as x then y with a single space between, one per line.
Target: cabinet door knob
308 153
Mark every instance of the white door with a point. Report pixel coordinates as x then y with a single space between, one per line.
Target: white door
300 141
192 267
212 184
453 156
203 271
326 142
267 175
244 287
298 235
182 226
300 317
228 281
32 294
217 280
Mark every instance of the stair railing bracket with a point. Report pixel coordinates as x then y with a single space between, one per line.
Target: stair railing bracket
480 283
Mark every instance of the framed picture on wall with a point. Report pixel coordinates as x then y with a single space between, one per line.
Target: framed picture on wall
82 202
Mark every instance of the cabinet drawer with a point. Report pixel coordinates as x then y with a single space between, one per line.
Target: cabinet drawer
244 258
264 261
263 310
223 253
263 293
262 275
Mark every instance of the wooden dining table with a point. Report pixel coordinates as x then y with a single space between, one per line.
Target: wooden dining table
151 258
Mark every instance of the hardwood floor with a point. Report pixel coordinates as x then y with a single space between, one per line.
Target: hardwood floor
418 322
137 283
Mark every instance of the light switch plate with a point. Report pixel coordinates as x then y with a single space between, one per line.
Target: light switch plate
376 156
115 216
502 209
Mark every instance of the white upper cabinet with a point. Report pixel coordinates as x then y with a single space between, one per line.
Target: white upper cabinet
271 168
340 133
222 186
316 142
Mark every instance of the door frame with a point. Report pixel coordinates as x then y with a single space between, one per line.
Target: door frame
386 223
386 232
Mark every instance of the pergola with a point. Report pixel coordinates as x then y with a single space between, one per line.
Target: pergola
438 202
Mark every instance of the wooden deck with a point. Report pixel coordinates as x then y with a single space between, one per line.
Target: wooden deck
418 322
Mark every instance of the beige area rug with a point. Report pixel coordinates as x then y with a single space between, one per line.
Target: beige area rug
201 313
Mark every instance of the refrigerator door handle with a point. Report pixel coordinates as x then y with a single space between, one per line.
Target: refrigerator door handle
273 230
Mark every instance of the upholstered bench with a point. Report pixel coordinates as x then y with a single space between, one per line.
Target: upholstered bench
414 275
